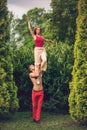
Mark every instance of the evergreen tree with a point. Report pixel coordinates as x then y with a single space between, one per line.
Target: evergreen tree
4 25
8 90
78 86
63 19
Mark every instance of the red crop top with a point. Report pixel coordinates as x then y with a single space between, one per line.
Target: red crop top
39 41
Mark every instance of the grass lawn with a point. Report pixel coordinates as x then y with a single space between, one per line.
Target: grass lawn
49 121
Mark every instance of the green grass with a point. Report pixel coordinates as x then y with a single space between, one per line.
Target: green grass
49 121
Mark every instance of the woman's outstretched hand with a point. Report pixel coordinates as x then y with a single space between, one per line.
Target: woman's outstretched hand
51 41
27 19
29 25
48 40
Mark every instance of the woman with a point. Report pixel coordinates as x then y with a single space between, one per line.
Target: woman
39 51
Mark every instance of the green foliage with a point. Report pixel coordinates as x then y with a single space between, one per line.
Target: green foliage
38 17
22 27
22 58
63 20
78 86
8 90
4 23
55 79
60 60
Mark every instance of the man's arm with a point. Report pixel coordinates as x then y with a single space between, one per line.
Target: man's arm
34 81
33 75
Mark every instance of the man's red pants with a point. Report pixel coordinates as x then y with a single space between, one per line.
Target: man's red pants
37 100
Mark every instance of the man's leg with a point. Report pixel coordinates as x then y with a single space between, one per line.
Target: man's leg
34 104
39 104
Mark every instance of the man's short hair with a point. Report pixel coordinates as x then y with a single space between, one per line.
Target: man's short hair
30 67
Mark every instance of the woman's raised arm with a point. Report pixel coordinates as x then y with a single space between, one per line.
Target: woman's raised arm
30 28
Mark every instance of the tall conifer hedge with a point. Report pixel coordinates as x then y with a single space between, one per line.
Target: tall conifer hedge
78 86
8 90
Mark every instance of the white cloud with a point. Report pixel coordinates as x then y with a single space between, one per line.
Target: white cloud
17 11
19 7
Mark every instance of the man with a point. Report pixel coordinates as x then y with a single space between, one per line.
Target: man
37 94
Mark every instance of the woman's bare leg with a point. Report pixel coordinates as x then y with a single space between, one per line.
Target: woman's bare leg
38 71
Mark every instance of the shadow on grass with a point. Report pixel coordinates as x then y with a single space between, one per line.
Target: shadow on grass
15 116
